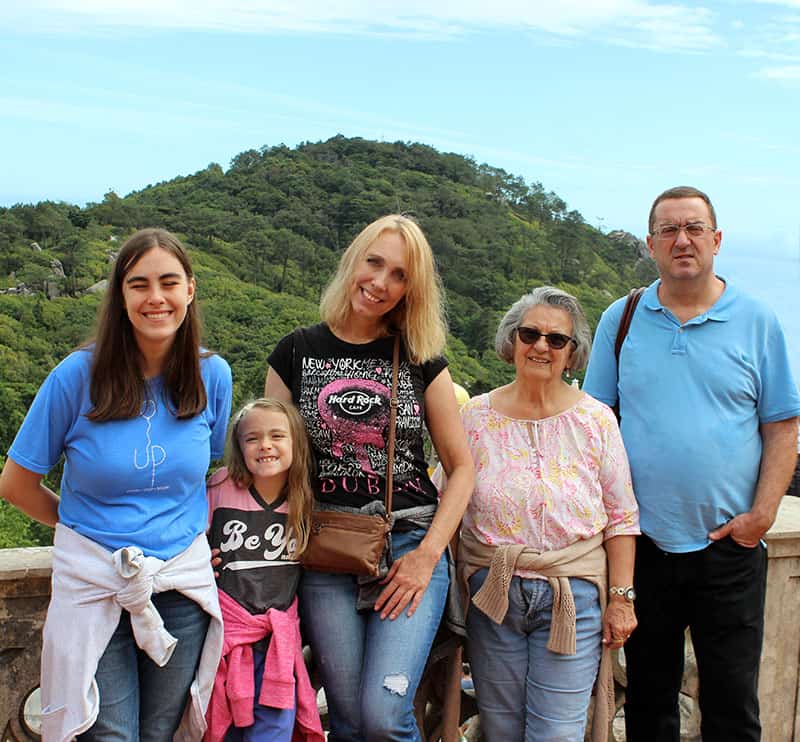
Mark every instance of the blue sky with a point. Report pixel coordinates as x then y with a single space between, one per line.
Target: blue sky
605 102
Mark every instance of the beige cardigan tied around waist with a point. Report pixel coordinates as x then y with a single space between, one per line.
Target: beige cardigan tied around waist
585 559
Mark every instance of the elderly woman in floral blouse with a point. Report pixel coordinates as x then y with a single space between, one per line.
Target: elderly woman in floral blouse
547 544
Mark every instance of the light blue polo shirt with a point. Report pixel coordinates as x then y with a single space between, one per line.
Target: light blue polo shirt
692 397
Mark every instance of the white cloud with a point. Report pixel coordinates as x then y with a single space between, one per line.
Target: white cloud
783 3
637 22
774 56
789 72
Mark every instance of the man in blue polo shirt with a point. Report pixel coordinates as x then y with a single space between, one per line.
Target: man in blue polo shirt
708 412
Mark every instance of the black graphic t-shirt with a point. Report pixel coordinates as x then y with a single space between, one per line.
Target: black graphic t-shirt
255 543
342 391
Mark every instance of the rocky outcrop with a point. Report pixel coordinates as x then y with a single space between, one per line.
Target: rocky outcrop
631 240
97 288
20 289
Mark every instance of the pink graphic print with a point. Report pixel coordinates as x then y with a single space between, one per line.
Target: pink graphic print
356 411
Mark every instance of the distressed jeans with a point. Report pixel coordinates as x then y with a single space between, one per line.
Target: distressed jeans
525 691
370 668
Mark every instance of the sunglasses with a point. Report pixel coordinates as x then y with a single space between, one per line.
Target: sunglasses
555 340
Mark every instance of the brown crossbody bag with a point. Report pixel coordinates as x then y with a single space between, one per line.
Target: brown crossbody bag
353 543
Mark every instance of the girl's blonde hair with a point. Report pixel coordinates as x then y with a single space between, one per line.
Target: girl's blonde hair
419 316
297 487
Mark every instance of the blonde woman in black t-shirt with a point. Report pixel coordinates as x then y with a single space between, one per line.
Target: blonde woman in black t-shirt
371 654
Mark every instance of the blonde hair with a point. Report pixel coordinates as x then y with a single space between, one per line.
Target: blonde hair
419 316
298 487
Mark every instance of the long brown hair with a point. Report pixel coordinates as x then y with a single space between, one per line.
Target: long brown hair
117 388
297 487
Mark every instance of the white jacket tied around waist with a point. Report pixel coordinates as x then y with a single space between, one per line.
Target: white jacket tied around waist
91 586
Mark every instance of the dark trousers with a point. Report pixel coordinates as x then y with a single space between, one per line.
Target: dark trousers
718 593
794 487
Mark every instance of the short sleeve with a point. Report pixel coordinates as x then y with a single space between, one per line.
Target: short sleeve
42 436
431 369
281 359
601 373
778 397
615 482
213 490
219 389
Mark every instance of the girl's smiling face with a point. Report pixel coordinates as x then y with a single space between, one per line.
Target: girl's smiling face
265 440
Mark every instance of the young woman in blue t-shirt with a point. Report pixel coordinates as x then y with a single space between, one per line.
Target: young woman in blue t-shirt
137 414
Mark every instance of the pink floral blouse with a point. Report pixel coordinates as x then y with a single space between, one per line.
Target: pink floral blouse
548 483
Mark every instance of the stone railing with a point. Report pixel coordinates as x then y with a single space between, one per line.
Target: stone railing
24 594
25 590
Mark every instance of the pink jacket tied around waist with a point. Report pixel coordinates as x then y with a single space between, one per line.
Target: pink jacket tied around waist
285 675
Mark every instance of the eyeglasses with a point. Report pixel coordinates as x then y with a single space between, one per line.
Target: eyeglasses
671 231
555 340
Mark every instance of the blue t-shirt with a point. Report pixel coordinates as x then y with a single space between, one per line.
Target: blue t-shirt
692 397
127 482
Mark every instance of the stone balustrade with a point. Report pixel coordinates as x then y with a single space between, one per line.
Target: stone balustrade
25 589
24 594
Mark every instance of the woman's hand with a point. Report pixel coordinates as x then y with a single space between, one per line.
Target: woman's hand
619 622
406 582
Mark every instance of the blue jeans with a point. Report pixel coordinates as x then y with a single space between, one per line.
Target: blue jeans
138 699
274 725
524 691
719 593
370 668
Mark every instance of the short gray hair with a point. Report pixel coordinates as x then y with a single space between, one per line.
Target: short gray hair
552 297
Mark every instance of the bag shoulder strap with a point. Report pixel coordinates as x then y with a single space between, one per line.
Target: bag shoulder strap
627 316
392 426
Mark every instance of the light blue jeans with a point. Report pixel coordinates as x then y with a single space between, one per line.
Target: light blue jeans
370 668
138 699
525 691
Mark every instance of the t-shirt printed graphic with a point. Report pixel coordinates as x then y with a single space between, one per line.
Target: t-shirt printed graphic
350 417
355 413
152 454
258 569
343 393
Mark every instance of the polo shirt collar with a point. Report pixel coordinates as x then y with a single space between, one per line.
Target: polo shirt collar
720 311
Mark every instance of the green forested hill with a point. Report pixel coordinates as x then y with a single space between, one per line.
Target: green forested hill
265 235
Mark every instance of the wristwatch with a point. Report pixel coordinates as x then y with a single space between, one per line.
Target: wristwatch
625 592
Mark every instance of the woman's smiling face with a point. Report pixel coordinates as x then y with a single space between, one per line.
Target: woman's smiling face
157 293
380 278
538 362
